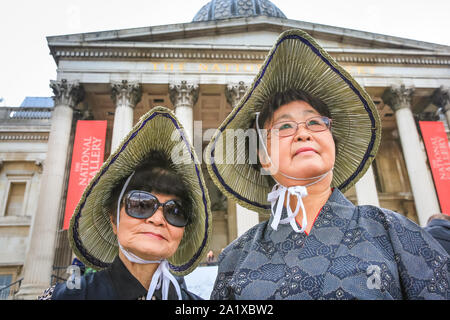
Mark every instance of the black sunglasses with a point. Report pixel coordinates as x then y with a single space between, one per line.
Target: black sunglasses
142 205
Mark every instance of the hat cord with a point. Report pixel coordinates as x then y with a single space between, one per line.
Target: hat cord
278 194
162 276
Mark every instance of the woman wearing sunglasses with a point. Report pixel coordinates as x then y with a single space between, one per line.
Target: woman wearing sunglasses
316 243
144 220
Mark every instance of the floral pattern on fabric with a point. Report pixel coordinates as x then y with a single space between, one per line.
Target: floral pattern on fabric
361 252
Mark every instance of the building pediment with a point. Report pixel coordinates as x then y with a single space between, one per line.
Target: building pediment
234 48
259 33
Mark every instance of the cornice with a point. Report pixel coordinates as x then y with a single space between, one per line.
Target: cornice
342 56
394 59
156 54
22 137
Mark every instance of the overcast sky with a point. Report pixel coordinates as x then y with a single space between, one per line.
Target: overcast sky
26 67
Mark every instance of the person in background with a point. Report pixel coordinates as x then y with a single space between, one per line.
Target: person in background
210 258
438 226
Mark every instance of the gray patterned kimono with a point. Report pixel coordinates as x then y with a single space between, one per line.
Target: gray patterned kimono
352 252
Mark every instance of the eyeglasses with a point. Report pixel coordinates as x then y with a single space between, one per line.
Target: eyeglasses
142 205
289 128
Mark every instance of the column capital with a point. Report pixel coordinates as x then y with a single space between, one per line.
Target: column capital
234 92
183 94
124 92
67 93
398 97
441 98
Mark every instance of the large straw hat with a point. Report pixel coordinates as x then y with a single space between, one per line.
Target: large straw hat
90 233
296 61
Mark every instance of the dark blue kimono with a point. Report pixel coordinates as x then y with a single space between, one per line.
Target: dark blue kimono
352 252
113 283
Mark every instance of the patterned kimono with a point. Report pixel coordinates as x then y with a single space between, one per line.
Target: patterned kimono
113 283
352 252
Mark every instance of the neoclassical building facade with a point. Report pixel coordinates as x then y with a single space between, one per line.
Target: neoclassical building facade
200 70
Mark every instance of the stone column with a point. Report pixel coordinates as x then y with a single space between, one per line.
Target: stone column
366 189
40 254
441 99
184 96
399 99
126 96
231 220
245 218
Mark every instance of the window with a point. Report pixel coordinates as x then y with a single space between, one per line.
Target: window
14 205
5 280
17 188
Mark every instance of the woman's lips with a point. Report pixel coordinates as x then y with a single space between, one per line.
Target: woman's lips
154 235
305 150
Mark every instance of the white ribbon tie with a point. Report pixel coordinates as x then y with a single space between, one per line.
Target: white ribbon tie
279 192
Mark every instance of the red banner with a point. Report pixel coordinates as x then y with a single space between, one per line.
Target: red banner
436 143
87 158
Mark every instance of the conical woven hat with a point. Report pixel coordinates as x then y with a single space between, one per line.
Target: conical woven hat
90 233
296 61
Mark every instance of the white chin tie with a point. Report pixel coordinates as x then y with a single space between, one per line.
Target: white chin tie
278 193
162 276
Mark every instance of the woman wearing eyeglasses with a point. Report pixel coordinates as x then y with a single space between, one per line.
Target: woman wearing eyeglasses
318 133
144 220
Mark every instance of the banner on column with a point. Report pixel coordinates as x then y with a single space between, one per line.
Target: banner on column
438 151
87 158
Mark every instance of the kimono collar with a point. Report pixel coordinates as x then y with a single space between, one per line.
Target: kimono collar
336 207
127 287
124 283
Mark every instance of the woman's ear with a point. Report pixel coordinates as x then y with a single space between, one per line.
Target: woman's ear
263 159
267 164
113 224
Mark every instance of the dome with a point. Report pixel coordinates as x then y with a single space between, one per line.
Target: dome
225 9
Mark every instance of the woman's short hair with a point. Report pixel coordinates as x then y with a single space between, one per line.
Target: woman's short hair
155 174
281 98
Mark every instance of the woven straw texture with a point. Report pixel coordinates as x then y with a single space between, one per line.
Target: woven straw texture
296 61
90 233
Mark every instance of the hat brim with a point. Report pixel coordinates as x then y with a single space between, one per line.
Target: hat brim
296 61
90 234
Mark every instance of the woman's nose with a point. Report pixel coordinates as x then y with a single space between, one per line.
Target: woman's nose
302 133
157 218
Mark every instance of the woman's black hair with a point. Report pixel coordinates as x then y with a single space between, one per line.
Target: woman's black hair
280 99
155 174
